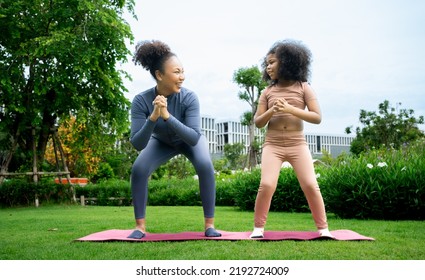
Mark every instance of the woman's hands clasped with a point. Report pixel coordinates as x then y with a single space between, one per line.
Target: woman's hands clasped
160 108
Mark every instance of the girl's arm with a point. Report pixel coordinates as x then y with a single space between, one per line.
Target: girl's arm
312 115
263 115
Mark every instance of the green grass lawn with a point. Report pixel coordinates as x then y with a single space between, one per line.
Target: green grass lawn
48 233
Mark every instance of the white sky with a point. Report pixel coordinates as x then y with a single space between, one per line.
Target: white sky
364 51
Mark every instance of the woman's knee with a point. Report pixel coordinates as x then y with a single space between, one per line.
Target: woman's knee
203 164
140 171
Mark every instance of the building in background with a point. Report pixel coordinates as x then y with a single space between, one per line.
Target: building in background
333 144
220 133
231 132
209 129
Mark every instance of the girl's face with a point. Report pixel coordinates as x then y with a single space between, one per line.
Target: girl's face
173 76
272 68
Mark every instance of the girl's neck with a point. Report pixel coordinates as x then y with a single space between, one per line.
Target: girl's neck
285 83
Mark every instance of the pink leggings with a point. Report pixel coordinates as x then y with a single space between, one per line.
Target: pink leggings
300 158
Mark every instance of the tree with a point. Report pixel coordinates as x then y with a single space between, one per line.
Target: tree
233 153
250 80
122 157
59 58
390 127
80 157
179 167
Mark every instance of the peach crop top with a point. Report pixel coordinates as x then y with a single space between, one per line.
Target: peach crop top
298 94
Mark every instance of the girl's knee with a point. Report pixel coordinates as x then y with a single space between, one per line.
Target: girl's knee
311 189
267 187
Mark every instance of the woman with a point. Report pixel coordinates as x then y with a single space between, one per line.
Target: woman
282 108
165 122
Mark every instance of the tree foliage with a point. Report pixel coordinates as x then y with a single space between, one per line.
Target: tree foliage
390 127
179 167
249 79
79 150
59 58
233 153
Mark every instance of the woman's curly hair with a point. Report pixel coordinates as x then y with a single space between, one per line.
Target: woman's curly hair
294 61
152 55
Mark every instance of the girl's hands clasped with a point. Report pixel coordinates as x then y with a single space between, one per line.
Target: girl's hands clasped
282 106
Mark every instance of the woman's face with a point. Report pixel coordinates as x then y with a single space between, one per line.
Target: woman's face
172 77
272 68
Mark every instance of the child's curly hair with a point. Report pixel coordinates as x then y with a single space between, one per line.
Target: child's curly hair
152 55
294 61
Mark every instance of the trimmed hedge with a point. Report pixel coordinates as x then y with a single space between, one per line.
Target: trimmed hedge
104 191
381 184
161 192
186 192
288 196
20 192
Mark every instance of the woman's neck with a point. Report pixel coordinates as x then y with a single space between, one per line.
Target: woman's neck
160 91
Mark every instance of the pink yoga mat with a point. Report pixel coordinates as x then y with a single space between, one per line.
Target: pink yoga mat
121 235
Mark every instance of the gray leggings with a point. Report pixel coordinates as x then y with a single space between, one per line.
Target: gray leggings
157 153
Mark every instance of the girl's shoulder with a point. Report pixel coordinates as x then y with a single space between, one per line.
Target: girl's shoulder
305 85
267 90
308 91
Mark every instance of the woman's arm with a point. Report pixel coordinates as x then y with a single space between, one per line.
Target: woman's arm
189 130
141 124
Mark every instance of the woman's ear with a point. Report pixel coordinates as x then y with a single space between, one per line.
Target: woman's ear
158 75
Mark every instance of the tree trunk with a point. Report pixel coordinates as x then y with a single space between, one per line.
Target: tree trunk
49 119
5 165
43 138
252 153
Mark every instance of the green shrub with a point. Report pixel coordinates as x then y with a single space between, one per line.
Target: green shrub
160 192
105 172
16 192
288 196
121 163
112 192
168 192
380 184
175 196
186 192
225 192
21 192
50 192
245 186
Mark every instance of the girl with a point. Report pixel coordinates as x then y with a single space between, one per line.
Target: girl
281 107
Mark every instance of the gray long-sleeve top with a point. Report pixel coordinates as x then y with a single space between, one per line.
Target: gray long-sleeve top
183 125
